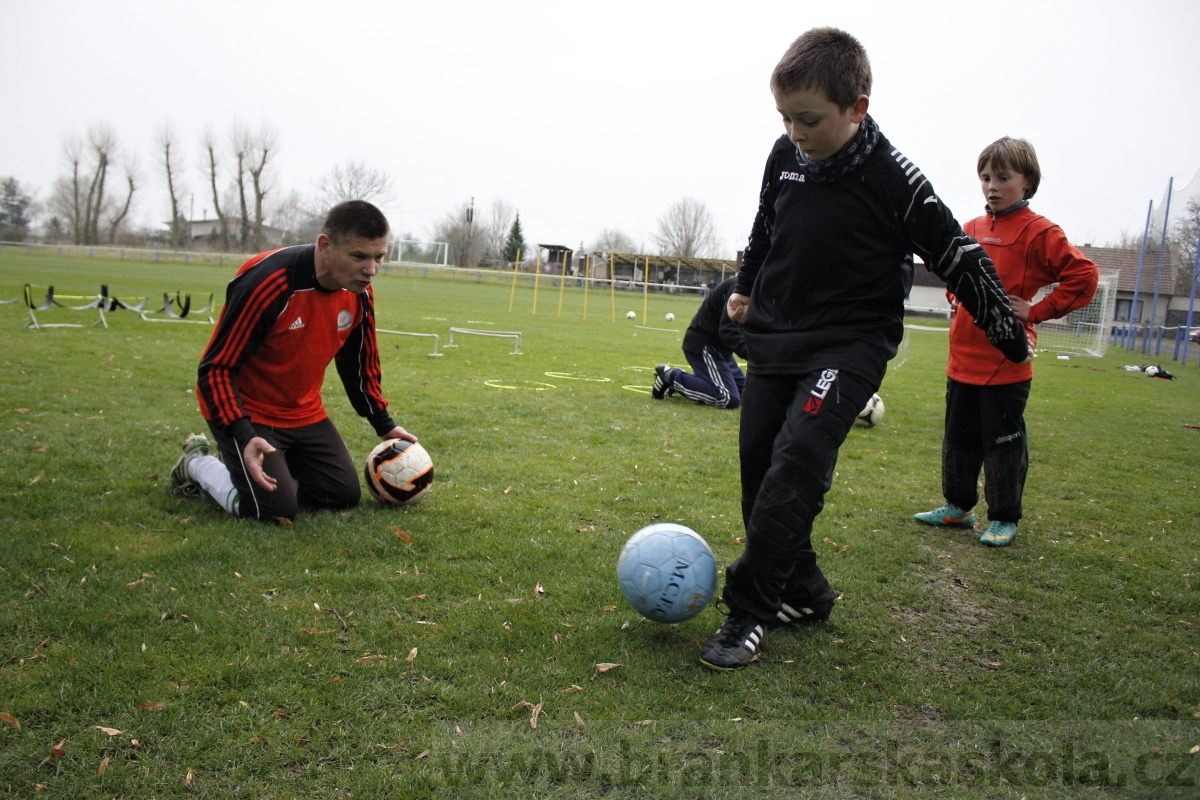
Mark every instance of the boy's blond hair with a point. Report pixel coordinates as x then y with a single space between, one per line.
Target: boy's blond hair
1017 155
827 59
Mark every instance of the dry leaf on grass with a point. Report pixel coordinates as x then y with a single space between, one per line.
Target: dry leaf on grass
109 731
401 534
369 658
103 768
159 706
602 668
535 711
41 474
10 719
58 751
579 721
187 779
412 655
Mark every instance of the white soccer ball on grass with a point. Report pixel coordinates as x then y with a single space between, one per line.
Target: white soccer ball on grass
631 315
872 413
398 471
670 317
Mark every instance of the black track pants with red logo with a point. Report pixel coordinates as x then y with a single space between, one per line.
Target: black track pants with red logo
791 429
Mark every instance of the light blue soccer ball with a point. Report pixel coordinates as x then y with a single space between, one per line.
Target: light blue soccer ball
667 572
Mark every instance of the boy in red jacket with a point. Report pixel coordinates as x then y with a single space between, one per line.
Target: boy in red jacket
986 393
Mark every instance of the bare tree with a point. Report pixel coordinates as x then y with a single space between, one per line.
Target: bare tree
611 240
493 232
300 220
78 197
1126 240
66 196
212 156
130 168
103 144
262 147
457 229
354 180
239 143
1186 235
687 230
169 149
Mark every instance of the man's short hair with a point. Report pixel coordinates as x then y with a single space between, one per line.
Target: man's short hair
1016 155
354 218
827 59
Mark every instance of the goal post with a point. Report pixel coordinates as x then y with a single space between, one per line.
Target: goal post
410 251
1085 331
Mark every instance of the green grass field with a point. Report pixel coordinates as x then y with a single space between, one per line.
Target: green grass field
155 647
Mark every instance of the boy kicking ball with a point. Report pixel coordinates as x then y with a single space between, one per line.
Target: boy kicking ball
821 298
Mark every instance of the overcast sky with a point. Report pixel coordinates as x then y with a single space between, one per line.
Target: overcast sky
600 115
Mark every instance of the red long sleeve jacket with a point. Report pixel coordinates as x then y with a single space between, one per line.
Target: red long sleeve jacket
1029 252
277 333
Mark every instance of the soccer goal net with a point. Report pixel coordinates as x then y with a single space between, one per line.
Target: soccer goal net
1083 332
406 251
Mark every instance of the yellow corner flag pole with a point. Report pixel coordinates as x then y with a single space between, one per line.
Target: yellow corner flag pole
612 286
646 291
587 280
513 291
537 274
562 283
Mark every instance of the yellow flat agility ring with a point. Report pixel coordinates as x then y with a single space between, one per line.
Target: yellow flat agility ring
576 376
535 386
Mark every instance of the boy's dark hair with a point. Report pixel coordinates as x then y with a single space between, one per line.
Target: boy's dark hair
827 59
1017 155
354 218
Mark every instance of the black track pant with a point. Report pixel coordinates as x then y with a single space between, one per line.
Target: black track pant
791 429
985 426
311 466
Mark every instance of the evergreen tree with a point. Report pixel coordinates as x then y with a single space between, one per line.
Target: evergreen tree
15 211
514 245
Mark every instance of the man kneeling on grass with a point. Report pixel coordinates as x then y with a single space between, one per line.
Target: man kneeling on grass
709 345
287 314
